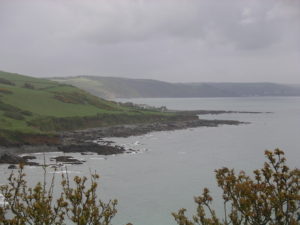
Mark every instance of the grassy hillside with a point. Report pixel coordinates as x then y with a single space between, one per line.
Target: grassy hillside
39 106
112 87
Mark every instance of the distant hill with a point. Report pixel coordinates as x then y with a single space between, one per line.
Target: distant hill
34 106
112 87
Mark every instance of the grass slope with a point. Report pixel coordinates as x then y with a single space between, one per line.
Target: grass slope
39 106
105 88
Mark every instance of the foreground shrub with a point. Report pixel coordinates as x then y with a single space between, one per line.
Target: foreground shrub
78 202
270 197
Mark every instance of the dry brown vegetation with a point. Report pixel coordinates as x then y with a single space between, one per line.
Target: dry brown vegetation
270 197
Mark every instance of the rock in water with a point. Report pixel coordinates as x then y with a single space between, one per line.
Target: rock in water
11 159
12 167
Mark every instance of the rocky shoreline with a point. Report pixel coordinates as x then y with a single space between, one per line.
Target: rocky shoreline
84 141
82 136
215 112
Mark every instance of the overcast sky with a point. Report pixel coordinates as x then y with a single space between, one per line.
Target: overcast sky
171 40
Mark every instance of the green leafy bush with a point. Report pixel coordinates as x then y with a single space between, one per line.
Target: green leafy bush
5 81
5 91
14 115
14 112
28 86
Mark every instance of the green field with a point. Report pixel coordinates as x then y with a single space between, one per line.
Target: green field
39 106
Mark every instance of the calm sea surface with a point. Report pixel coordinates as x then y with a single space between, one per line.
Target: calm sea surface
174 166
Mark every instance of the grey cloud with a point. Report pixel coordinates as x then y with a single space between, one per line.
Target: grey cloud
248 25
233 40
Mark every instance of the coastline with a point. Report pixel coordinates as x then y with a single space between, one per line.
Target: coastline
91 140
81 136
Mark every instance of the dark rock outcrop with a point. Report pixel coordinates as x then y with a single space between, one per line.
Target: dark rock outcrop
92 147
11 159
71 139
11 167
67 159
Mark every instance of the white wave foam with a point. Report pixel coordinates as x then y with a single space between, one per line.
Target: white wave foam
97 158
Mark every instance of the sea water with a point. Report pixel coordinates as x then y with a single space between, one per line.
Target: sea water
174 166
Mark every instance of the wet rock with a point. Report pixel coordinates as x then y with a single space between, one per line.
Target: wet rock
67 159
32 164
92 147
12 167
8 158
11 159
86 153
